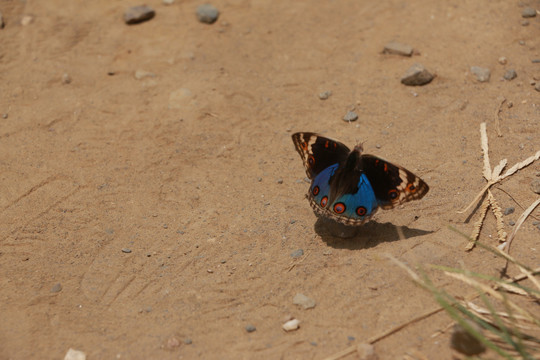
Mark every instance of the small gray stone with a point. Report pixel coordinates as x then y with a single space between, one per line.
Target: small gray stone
56 288
207 13
482 74
126 250
509 210
510 74
417 75
535 61
398 48
297 253
464 342
250 328
528 12
511 223
280 181
350 116
188 341
5 115
325 95
525 23
304 301
138 14
535 186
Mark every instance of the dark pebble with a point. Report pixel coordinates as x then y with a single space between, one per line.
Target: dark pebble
351 338
280 181
511 223
510 74
250 328
528 12
297 253
292 221
525 23
138 14
509 210
207 13
535 61
464 342
126 250
2 24
350 116
56 288
188 341
417 75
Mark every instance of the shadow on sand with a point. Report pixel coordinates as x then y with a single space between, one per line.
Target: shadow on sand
369 235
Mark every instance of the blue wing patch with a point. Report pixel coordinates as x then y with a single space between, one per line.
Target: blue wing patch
351 209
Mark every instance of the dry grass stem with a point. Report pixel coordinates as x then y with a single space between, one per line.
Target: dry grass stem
498 118
497 211
485 150
477 227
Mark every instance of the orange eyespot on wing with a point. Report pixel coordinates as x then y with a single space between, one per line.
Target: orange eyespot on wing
361 211
324 201
339 208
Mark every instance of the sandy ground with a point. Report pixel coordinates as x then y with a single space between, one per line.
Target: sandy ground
167 206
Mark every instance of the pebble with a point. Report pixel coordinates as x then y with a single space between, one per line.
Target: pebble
525 23
5 115
2 23
141 74
66 79
510 74
509 210
26 20
366 351
291 325
207 13
126 250
398 48
535 186
138 14
465 343
250 328
172 343
537 86
503 60
168 2
280 181
325 95
304 301
482 74
188 341
528 12
416 75
73 354
535 61
350 116
56 288
297 253
511 223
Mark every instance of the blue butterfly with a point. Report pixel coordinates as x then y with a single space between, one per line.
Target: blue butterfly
348 186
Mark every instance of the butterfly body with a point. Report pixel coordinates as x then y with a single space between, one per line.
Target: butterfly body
348 186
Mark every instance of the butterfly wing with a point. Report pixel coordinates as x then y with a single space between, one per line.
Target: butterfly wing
349 208
392 184
318 153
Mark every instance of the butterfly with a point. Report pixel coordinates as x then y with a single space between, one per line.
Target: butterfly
348 186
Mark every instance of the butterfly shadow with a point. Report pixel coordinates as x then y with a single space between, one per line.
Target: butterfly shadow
369 235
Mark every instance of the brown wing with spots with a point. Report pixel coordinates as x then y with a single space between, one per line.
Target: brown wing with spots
392 184
318 152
